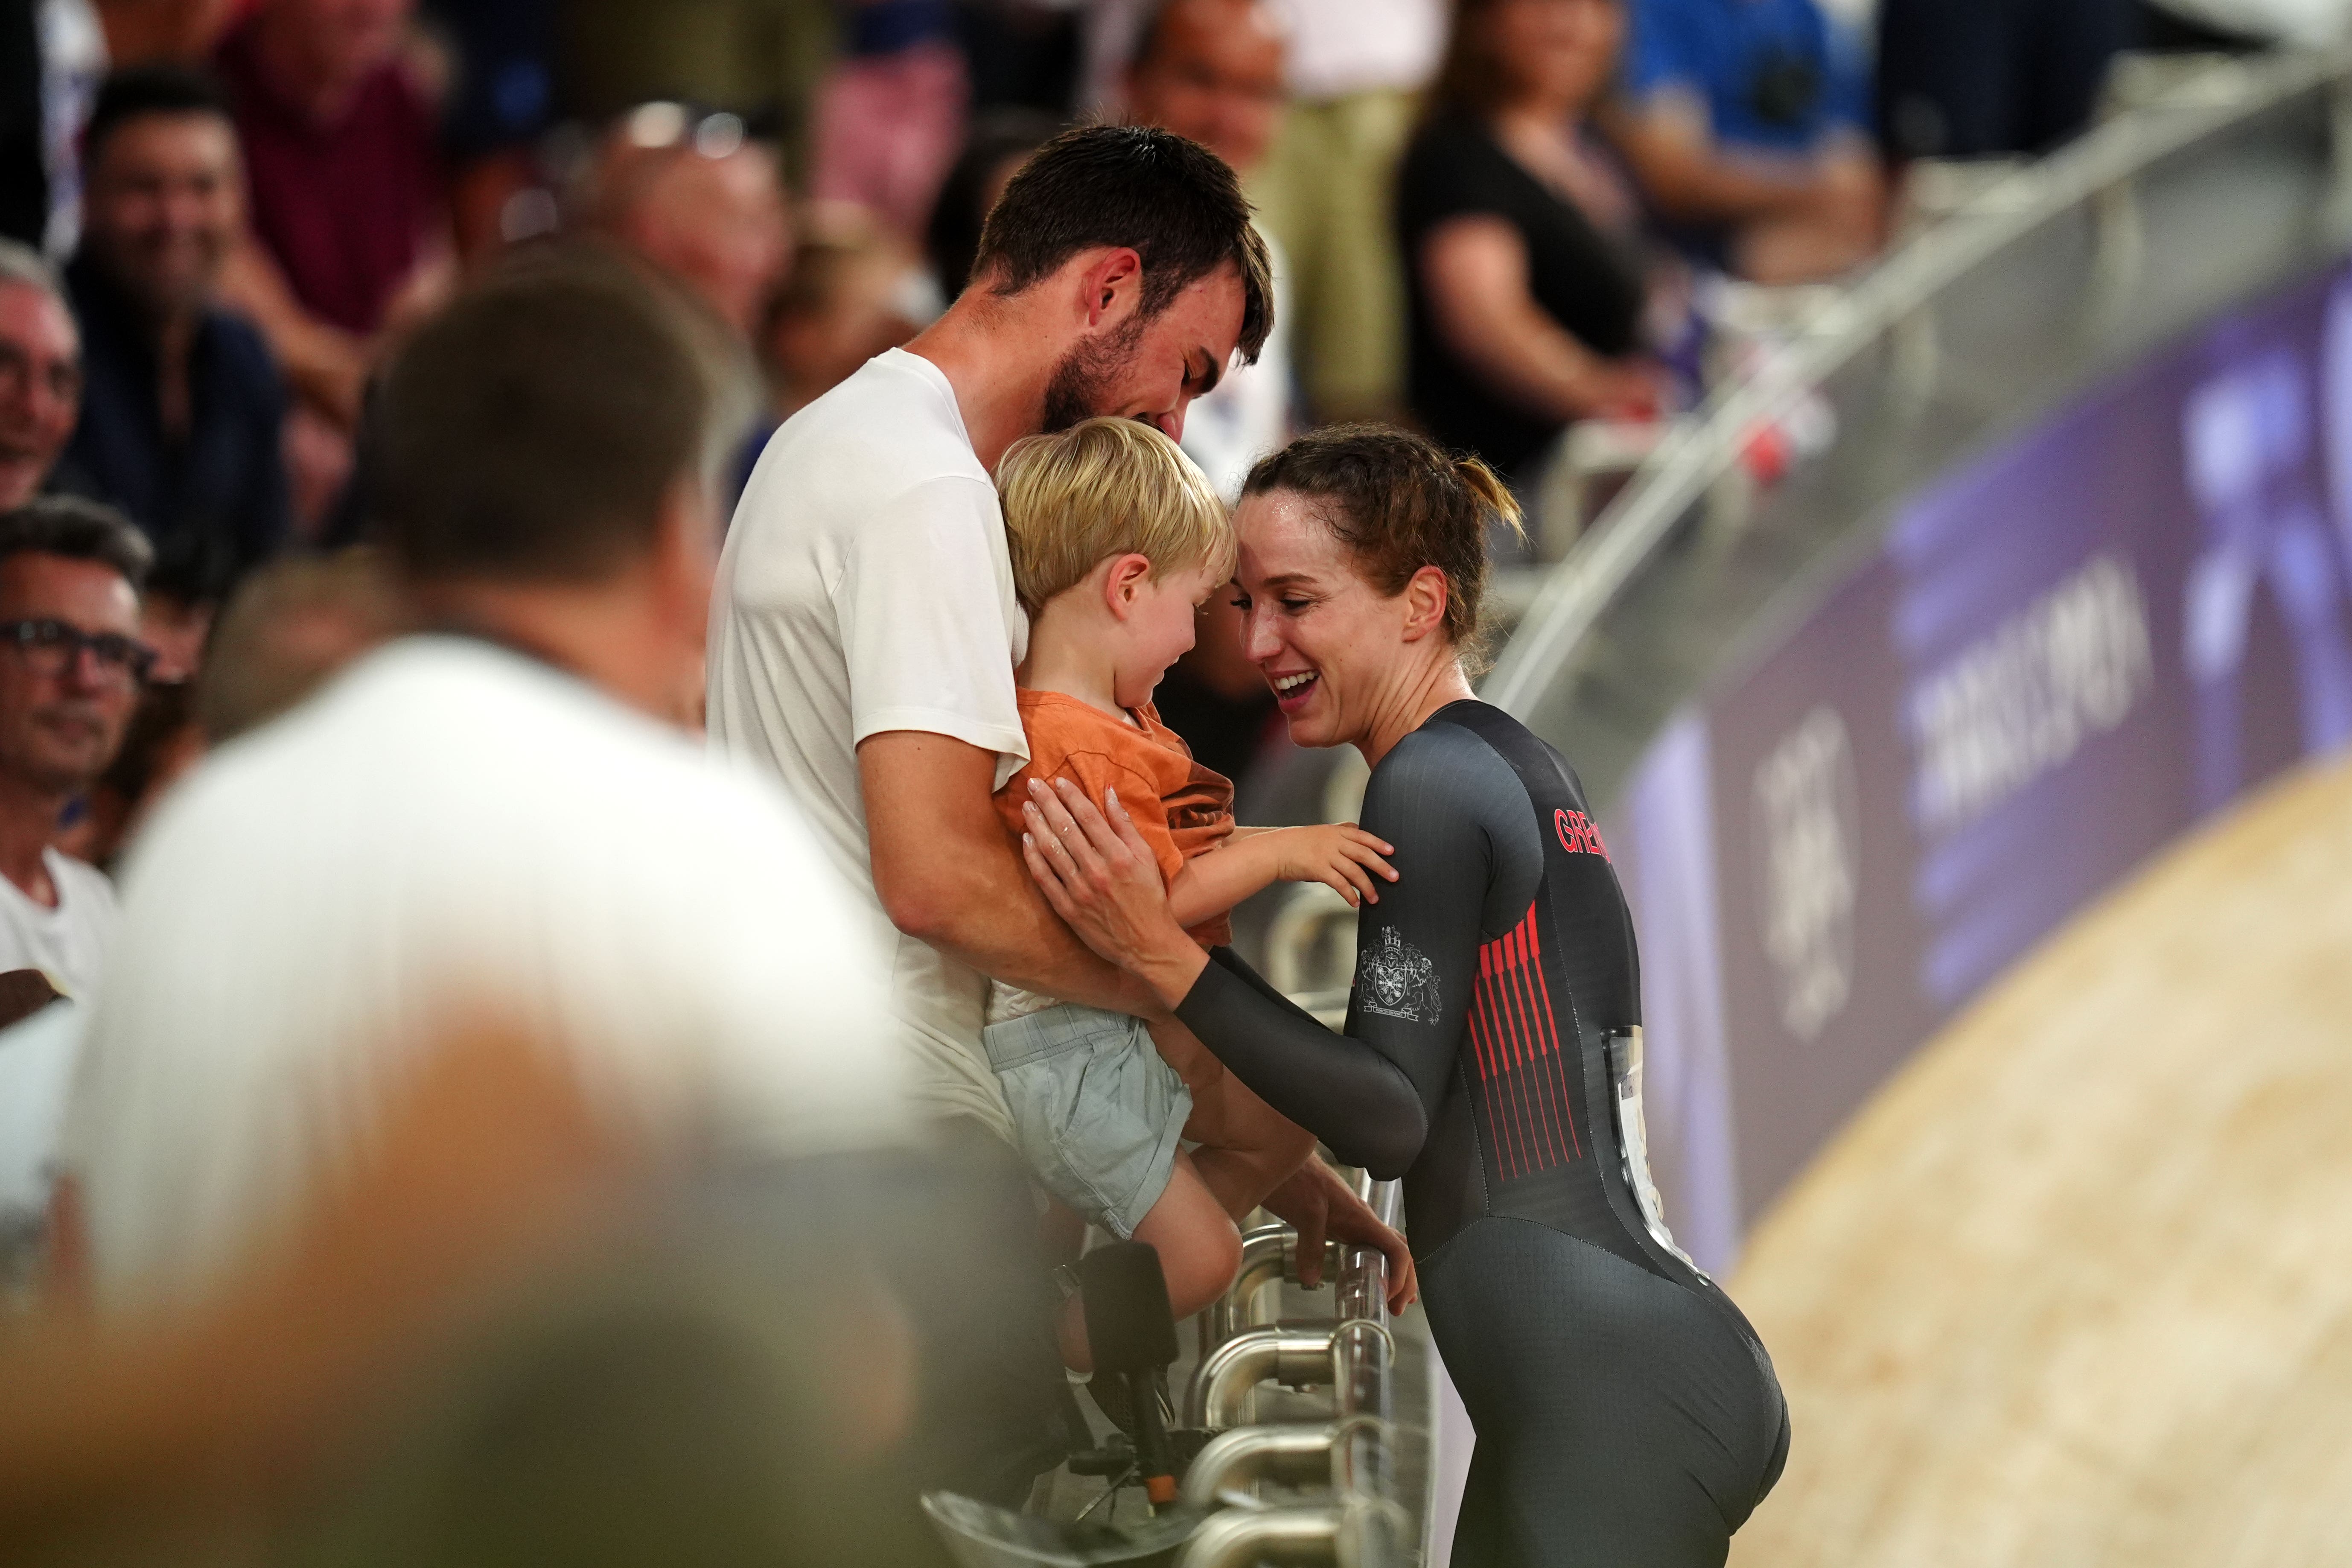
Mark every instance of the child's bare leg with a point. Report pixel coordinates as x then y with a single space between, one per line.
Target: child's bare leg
1247 1147
1200 1252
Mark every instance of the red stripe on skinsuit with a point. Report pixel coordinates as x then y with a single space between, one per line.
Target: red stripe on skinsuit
1480 1047
1567 1096
1502 1105
1547 1043
1513 1010
1483 1042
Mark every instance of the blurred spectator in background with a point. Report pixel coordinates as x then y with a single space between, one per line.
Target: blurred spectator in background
692 195
53 55
40 372
1212 70
1357 69
1526 279
890 114
1747 123
289 629
1000 143
501 100
349 214
70 669
852 295
1993 76
181 407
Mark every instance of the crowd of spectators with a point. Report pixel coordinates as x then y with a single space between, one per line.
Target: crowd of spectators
223 219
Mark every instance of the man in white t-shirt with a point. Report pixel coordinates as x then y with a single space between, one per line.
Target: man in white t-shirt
70 666
490 820
864 630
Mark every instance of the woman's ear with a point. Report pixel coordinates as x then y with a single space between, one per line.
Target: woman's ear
1123 581
1425 598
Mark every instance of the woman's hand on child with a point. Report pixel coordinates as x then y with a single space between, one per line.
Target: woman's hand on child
1340 855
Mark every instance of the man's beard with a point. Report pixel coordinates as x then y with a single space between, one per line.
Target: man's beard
1080 385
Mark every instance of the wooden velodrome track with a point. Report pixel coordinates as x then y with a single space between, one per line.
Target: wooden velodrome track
2076 1286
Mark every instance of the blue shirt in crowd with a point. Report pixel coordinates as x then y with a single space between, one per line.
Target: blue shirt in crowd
1775 75
213 502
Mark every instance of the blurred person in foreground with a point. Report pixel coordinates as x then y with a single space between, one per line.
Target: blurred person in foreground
40 374
866 632
1747 123
491 818
182 404
71 666
1521 241
519 1328
348 238
1213 70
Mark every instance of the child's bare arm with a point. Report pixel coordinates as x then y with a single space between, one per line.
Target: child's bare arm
1341 856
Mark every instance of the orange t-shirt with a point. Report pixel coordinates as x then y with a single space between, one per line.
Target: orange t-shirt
1182 808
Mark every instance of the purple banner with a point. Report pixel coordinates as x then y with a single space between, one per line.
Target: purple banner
2064 655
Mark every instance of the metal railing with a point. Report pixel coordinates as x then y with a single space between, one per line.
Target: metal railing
2077 224
1360 1522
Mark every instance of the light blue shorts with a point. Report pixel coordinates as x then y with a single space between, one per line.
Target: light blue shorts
1095 1112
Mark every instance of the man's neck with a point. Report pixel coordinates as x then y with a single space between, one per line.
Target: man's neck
1064 657
29 815
610 634
998 360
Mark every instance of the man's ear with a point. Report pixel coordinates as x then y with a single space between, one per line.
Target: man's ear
1123 581
1425 598
1113 286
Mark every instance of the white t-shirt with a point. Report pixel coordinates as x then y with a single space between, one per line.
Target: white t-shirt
865 587
451 820
67 944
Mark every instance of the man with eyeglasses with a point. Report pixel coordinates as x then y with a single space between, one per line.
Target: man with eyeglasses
70 669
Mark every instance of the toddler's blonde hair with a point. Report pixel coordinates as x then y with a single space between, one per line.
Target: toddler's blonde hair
1103 488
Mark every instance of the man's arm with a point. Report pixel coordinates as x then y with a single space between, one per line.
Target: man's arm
947 873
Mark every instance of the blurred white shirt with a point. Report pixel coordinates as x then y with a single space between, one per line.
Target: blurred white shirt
1248 413
865 587
1343 46
453 821
67 943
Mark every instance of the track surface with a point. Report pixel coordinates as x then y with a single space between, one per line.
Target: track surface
2076 1286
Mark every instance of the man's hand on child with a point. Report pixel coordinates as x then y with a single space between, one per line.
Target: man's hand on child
1340 855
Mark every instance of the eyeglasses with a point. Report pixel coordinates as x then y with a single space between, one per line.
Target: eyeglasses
659 124
50 648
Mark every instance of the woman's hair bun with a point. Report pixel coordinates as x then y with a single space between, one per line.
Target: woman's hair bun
1401 502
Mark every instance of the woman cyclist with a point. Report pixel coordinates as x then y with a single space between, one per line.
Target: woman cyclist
1626 1414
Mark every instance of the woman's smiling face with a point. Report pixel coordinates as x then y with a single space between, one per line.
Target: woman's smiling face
1328 641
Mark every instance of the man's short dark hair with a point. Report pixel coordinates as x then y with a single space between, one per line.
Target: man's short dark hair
530 432
1172 201
137 91
79 530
